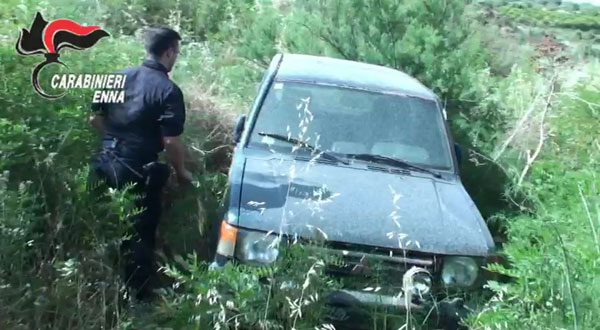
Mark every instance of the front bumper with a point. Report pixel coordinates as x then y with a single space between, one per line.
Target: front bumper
352 297
347 310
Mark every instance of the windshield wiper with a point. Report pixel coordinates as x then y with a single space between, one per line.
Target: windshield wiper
393 162
305 145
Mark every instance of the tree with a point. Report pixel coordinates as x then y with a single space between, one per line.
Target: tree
430 40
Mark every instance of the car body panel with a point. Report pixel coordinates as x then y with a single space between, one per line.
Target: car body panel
432 215
354 204
337 72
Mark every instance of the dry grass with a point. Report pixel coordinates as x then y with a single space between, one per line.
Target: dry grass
210 122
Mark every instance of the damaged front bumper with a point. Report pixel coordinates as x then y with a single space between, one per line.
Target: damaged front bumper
352 297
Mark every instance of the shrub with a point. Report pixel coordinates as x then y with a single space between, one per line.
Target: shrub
61 239
287 294
553 248
430 40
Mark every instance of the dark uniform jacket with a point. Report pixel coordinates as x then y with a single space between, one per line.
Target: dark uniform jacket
153 109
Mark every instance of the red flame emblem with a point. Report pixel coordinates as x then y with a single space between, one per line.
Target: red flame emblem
49 38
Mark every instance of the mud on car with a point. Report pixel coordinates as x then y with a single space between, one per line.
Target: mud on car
361 155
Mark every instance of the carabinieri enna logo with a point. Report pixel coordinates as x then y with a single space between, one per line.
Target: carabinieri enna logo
49 38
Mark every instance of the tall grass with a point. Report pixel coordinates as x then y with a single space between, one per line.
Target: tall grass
552 247
59 238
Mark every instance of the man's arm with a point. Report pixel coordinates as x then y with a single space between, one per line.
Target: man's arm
171 122
175 151
97 122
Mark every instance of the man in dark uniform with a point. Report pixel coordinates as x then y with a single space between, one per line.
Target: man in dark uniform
134 132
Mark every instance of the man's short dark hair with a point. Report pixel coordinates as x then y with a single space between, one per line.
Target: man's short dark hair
160 38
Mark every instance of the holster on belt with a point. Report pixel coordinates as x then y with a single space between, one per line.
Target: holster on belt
154 174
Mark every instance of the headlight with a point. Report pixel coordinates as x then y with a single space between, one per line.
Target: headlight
421 284
256 247
459 271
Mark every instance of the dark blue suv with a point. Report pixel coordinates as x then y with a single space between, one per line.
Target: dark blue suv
361 156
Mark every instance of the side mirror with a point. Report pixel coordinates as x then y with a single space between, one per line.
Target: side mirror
458 152
238 129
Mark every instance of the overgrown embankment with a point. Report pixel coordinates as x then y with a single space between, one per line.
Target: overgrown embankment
530 127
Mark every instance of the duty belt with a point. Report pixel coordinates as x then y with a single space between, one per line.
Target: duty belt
109 146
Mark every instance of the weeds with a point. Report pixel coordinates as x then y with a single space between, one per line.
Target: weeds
59 237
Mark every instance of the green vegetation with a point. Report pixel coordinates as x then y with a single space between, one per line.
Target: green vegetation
582 20
528 112
285 295
553 245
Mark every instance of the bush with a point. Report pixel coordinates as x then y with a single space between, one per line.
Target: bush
288 294
430 40
59 269
200 20
574 19
59 238
553 248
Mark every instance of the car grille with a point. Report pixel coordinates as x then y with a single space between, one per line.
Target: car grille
374 269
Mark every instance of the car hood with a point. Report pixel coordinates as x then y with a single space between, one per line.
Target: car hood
361 206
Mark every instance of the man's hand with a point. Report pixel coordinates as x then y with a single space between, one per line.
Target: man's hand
97 122
185 177
174 149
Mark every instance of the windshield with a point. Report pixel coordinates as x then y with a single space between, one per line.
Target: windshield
351 121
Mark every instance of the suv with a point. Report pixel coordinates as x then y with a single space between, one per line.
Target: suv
361 156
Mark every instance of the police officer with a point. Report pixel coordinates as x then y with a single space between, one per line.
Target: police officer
134 132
